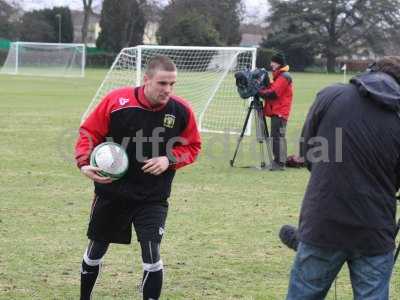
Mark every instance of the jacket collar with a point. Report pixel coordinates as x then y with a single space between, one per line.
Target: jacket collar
145 103
278 72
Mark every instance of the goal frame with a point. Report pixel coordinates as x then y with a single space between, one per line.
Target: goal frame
139 74
17 59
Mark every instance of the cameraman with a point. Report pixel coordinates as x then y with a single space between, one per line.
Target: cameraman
351 144
278 96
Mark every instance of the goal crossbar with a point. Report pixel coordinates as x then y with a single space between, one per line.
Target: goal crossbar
205 79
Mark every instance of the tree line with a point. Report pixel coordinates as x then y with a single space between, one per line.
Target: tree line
302 29
122 22
330 29
36 26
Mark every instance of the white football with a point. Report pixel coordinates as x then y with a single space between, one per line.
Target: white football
111 158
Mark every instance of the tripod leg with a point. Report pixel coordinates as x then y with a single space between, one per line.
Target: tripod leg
267 137
398 247
260 136
396 255
232 161
263 128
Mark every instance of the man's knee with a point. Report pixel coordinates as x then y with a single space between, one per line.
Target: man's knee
150 252
94 253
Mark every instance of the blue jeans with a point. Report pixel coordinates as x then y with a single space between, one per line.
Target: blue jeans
315 269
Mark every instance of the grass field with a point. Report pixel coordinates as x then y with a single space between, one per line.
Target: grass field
221 240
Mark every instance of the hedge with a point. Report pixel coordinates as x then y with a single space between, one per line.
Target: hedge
100 60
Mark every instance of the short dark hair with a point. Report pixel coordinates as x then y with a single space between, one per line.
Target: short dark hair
159 63
389 65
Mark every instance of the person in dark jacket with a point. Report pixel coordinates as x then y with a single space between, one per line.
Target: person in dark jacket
351 145
278 102
160 134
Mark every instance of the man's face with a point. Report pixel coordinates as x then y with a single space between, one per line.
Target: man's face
275 66
159 87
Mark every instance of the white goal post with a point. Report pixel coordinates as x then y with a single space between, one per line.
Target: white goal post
45 59
205 79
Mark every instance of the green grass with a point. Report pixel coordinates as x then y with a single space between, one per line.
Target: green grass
221 240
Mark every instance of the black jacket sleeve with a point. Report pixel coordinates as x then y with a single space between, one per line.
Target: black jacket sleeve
310 128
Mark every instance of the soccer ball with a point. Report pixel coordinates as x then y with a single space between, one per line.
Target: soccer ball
111 158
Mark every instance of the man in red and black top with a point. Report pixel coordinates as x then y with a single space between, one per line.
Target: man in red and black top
278 96
160 135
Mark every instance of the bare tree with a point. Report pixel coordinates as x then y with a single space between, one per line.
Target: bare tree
336 27
87 12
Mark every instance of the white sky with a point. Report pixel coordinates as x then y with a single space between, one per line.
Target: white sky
257 9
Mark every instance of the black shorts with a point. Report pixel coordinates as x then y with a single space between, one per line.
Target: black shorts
111 220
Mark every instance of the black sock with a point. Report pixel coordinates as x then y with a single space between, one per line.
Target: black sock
151 285
88 279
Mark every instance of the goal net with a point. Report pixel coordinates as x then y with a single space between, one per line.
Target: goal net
205 79
45 59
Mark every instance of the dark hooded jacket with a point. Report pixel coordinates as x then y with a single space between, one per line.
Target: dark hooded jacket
351 143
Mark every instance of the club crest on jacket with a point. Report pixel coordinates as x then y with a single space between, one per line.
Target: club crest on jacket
169 121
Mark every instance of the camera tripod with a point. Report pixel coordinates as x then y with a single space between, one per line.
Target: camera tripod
262 135
397 251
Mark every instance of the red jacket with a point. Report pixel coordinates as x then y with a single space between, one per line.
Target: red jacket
279 94
98 125
125 116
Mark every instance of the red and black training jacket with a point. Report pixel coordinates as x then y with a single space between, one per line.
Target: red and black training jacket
279 94
126 117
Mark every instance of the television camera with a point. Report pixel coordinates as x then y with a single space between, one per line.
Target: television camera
248 83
